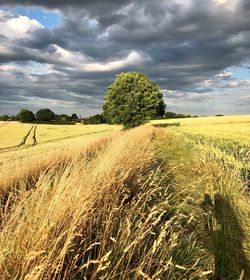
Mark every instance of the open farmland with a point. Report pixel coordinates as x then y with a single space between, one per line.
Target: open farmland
12 133
148 203
225 138
206 120
49 138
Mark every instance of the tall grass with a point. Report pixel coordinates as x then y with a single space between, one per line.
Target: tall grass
220 191
139 205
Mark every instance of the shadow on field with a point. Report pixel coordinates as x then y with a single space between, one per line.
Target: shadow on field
227 239
166 124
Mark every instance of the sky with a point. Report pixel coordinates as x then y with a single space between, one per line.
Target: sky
63 55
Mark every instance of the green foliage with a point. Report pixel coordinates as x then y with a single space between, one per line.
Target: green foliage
4 118
63 119
25 116
74 117
95 119
45 115
12 118
172 115
132 99
160 111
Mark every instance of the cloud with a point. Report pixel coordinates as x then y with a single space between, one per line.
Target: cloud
185 46
228 4
133 58
94 7
235 83
246 97
225 75
17 27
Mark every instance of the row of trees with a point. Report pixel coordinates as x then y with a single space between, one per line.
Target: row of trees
95 119
7 118
45 116
173 115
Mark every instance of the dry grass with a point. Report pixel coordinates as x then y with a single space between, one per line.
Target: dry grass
92 177
141 204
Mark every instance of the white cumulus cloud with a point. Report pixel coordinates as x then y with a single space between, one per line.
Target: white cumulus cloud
133 58
17 27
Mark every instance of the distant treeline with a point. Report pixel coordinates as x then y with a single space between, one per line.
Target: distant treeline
7 118
173 115
95 119
48 116
41 116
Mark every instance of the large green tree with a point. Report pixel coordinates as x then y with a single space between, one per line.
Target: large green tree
132 99
45 115
25 116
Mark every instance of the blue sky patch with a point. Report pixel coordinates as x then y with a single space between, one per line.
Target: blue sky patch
241 73
49 19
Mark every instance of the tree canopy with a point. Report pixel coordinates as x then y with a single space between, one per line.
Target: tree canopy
45 115
25 116
132 99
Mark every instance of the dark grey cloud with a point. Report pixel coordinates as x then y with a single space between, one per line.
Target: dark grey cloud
93 7
179 44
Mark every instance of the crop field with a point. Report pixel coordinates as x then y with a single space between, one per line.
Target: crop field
48 138
156 202
12 133
225 138
206 120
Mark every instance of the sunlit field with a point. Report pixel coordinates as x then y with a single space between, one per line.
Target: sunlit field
225 138
207 120
49 138
12 133
229 128
96 202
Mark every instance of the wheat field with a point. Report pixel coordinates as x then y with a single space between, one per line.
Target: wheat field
147 203
49 139
12 133
239 119
226 139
